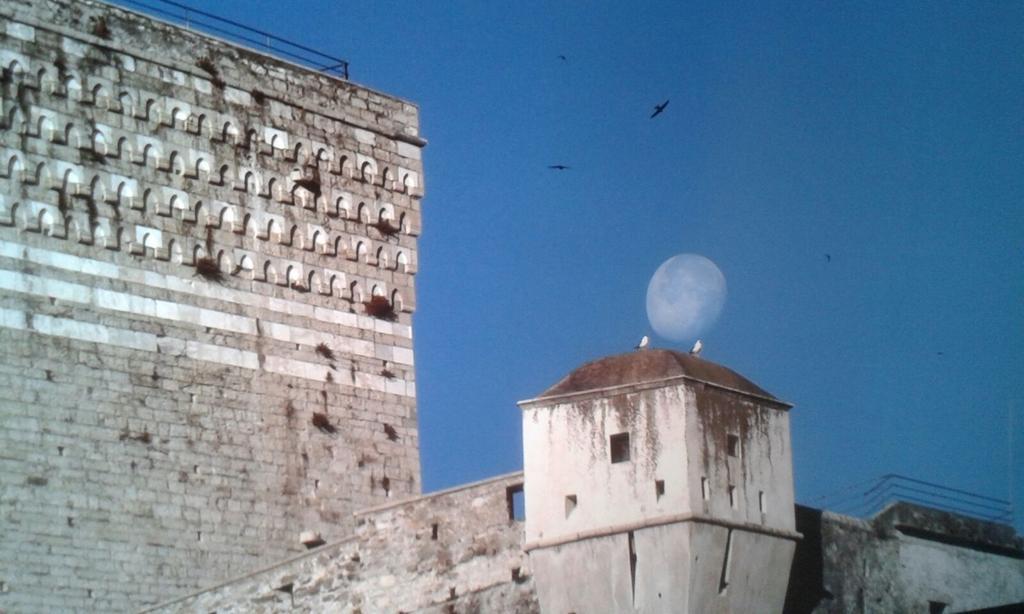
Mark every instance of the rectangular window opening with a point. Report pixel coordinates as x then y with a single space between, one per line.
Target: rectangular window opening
433 531
705 489
516 503
619 444
733 502
659 489
733 445
570 504
937 607
761 503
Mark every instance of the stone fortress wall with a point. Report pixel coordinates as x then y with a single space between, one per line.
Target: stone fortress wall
457 550
207 262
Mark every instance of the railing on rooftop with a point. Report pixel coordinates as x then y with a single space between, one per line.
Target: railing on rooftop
193 18
866 499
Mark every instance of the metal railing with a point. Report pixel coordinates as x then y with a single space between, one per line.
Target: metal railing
192 18
866 499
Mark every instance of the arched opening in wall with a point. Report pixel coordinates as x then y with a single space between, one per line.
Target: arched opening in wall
301 197
99 143
175 164
127 104
339 247
100 97
362 214
269 272
245 266
249 183
252 140
72 136
274 231
152 111
14 120
355 292
344 163
396 300
73 88
47 82
299 153
202 125
148 156
360 252
222 175
202 170
46 129
97 191
319 243
14 168
75 232
407 183
174 251
401 263
294 277
228 133
227 218
42 177
385 177
47 223
382 257
366 172
100 237
125 194
124 149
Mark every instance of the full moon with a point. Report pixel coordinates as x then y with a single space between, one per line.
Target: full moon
685 296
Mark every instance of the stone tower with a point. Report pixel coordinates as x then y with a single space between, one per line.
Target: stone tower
207 258
656 481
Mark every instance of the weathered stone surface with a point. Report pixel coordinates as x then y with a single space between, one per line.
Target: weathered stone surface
903 560
453 551
188 234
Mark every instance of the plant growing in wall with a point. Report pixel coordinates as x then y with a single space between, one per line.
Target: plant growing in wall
385 228
207 268
321 422
206 63
381 308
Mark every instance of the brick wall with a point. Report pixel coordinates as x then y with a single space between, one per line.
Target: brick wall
191 373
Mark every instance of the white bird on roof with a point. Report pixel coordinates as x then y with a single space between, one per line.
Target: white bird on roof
697 347
643 343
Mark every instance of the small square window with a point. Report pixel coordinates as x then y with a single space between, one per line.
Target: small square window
733 445
659 488
570 504
619 447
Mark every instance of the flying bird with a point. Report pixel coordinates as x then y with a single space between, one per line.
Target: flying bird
563 58
697 347
658 108
828 257
643 343
559 167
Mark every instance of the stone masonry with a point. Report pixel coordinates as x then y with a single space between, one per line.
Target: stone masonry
458 550
207 259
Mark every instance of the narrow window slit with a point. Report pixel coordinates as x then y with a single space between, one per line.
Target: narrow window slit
570 504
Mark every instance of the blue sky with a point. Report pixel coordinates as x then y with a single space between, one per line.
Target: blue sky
889 136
